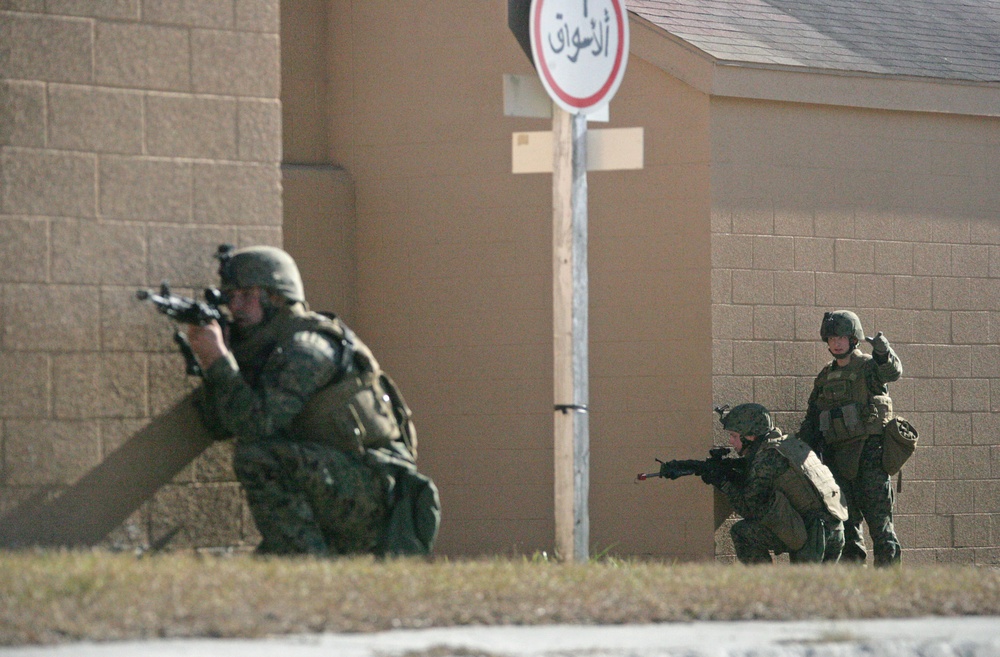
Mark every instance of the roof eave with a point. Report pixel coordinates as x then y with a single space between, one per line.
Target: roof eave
778 82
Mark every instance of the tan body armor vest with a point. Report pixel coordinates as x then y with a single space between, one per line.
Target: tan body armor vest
355 412
848 410
806 488
808 484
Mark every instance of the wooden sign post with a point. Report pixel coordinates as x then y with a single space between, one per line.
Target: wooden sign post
570 333
568 152
579 48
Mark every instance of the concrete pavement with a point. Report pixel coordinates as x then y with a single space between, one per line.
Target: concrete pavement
971 636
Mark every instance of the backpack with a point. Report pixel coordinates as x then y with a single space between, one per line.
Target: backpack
414 514
414 503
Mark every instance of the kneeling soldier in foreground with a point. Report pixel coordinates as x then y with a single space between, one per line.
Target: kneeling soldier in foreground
325 449
788 500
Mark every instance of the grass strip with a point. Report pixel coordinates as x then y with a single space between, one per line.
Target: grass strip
61 596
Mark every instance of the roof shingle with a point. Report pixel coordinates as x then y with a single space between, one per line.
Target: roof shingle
947 39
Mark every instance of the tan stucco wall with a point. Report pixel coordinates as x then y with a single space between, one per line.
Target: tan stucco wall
453 279
894 215
650 322
133 140
318 194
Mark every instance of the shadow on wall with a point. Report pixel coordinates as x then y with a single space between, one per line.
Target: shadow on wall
85 513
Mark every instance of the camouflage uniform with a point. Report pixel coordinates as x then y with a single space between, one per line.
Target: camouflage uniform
306 496
853 449
753 498
303 396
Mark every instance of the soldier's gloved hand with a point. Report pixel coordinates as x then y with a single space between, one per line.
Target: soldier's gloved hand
880 345
669 470
713 477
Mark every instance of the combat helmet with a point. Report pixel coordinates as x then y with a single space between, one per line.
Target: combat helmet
262 266
841 323
746 419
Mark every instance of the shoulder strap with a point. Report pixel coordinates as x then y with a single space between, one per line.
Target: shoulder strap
793 449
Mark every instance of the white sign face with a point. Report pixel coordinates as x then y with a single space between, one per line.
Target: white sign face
580 48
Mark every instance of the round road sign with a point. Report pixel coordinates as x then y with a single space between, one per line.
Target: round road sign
580 48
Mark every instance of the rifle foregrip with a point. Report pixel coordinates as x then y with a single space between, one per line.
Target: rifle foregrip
190 360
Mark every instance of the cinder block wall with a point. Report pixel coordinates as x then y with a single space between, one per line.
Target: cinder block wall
894 215
135 136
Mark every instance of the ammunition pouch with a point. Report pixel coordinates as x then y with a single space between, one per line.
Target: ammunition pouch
898 444
814 548
842 424
786 523
880 410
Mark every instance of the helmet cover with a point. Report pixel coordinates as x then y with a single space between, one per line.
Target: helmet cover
841 323
746 419
260 266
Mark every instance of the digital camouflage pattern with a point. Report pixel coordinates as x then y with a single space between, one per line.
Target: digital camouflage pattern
754 543
870 497
304 496
752 497
310 499
747 420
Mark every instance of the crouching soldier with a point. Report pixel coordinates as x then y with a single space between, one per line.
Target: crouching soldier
788 500
325 449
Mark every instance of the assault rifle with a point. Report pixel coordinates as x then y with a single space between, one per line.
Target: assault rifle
185 310
723 469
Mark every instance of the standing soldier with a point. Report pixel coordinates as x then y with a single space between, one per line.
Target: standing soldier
325 450
788 500
848 411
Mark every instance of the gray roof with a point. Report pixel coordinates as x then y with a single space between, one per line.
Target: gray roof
947 39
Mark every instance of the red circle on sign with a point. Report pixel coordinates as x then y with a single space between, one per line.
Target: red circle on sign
577 102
